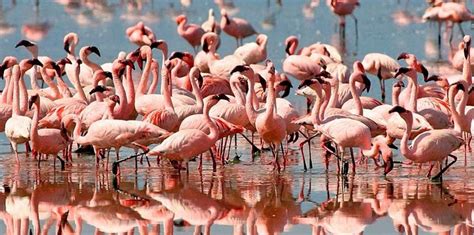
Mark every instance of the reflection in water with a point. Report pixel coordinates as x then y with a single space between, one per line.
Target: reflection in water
220 203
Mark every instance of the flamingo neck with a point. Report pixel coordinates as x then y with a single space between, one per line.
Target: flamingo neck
77 132
16 95
395 94
196 91
466 68
316 110
326 97
293 47
72 51
85 59
213 131
406 135
154 81
77 85
165 89
120 90
130 90
182 27
355 95
239 96
5 90
10 91
271 99
34 123
33 80
23 95
249 108
413 84
333 98
145 74
456 115
51 84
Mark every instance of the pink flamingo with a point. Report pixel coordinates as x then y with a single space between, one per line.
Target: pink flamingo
253 52
270 126
48 141
192 33
236 27
430 146
213 85
185 144
462 119
201 58
217 66
165 118
381 65
342 8
98 110
18 127
140 34
329 51
89 67
71 40
302 67
210 24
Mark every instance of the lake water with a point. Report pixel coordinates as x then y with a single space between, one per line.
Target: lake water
246 196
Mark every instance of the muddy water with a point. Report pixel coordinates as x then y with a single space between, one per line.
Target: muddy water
245 196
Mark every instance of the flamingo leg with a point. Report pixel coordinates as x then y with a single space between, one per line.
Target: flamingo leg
255 149
214 165
116 164
353 161
61 161
356 28
440 174
460 29
382 83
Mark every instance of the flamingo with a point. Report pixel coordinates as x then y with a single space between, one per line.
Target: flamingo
17 128
343 8
302 67
210 24
192 33
254 52
236 27
140 34
330 51
185 144
165 118
98 110
430 146
219 67
381 65
270 126
85 76
48 141
462 118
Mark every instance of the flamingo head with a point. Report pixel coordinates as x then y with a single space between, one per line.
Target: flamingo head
388 164
119 66
291 41
398 85
286 84
115 99
181 18
33 100
98 88
92 49
186 57
460 85
70 38
401 70
404 113
467 45
159 44
27 64
55 66
366 81
25 43
8 62
403 55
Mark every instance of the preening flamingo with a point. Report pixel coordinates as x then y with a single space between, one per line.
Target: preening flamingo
210 25
253 52
186 144
430 146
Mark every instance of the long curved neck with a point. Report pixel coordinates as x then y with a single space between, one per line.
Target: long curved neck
145 74
56 94
407 152
77 85
165 89
72 51
316 110
196 91
154 82
34 123
412 106
293 47
120 90
334 91
249 108
324 103
78 138
33 82
10 91
63 87
85 59
213 131
23 96
182 27
271 99
239 96
130 89
16 95
355 96
456 115
466 68
395 94
5 90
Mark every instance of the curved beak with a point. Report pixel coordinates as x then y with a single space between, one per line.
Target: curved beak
401 70
36 62
115 98
400 84
2 69
403 55
222 97
459 86
32 100
397 109
176 54
307 82
24 43
200 80
424 71
108 74
239 68
287 84
56 68
66 47
205 46
366 82
156 44
98 88
128 63
432 78
263 82
94 50
287 49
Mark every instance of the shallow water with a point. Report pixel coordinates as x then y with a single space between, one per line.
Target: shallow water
244 196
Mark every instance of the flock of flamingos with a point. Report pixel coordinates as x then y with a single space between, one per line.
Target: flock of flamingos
206 101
